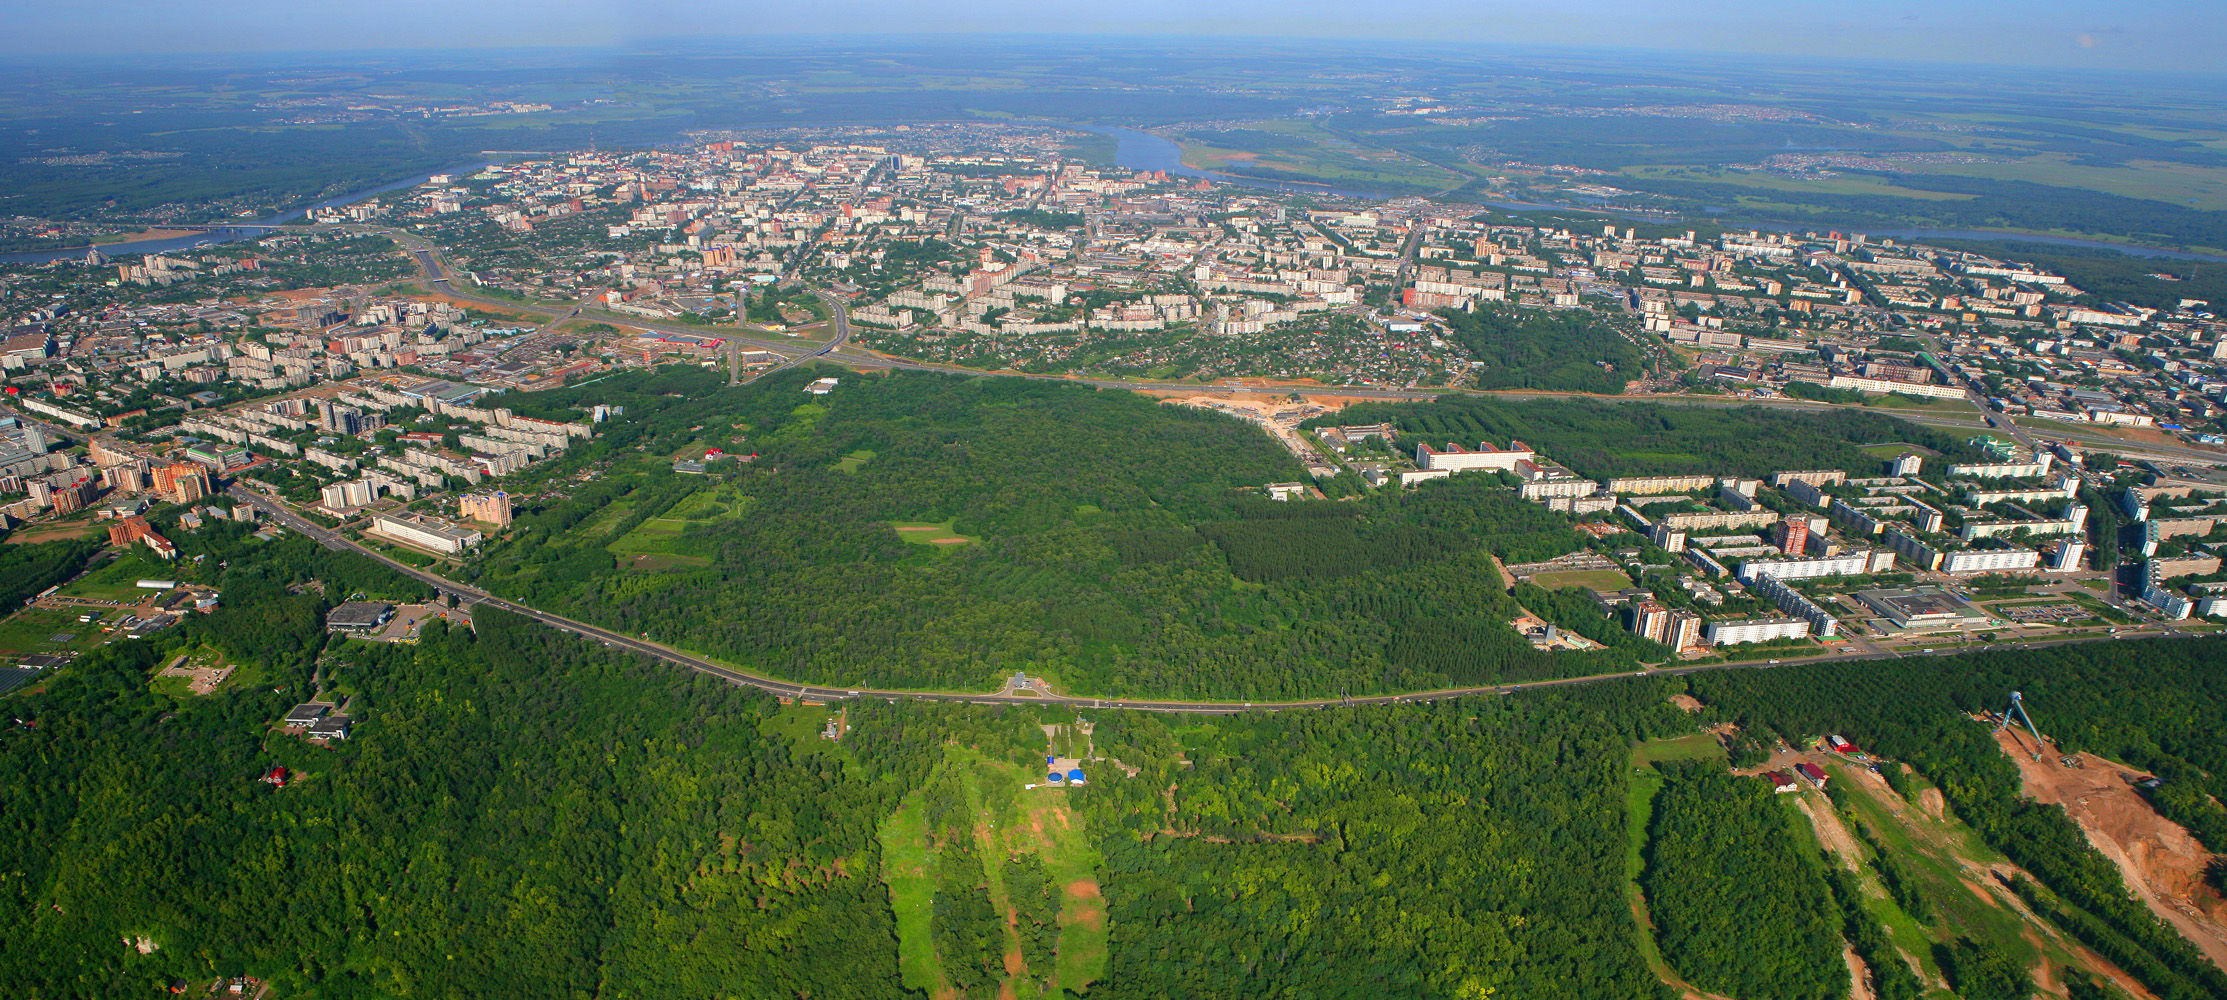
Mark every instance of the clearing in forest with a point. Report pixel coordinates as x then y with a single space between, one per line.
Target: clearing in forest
1639 810
1014 833
1946 864
930 533
1594 579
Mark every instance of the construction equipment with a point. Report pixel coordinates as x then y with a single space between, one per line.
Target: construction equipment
2017 710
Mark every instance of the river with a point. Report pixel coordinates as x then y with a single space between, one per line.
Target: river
1134 149
1139 150
229 232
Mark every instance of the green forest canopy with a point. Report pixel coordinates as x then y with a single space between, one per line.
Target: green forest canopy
1118 550
524 814
1602 439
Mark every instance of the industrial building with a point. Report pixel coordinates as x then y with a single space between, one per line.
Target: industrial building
1922 609
358 617
429 533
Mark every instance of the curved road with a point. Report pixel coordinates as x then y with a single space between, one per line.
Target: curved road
285 516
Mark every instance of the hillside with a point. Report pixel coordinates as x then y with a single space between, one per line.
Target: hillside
520 814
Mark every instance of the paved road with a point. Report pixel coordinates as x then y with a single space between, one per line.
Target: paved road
285 516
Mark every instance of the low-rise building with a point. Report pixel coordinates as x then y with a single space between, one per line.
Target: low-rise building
425 532
1733 633
358 617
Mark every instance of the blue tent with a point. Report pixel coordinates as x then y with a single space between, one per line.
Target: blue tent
1075 777
1048 759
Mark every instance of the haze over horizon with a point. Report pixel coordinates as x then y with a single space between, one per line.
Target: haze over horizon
2173 35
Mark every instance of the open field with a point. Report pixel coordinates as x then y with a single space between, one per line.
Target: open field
1845 184
852 461
1596 579
907 868
1305 152
1698 746
56 532
118 581
2181 183
930 533
33 630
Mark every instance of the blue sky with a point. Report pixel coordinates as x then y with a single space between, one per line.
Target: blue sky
2183 35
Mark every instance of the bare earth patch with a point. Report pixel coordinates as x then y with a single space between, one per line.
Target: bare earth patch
2160 861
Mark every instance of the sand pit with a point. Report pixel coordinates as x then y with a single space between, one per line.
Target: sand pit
2160 861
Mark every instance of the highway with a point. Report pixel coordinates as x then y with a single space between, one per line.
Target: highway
285 516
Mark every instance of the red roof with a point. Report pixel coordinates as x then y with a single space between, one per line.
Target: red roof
1810 771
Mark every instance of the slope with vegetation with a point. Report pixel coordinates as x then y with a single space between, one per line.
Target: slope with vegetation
524 814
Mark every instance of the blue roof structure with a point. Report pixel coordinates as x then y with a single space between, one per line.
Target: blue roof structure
1075 777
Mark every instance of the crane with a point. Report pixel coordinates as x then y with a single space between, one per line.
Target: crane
2018 709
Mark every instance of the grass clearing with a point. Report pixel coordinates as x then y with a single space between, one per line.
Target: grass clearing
908 868
931 533
1639 811
32 631
55 532
1004 820
1595 579
1954 870
119 579
854 460
1698 746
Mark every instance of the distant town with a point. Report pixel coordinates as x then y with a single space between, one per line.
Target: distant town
363 365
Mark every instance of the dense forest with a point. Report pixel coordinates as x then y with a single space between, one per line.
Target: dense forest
1099 539
1112 544
1564 350
1601 439
27 569
1739 907
523 814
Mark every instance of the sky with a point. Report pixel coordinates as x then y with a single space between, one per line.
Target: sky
2182 35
